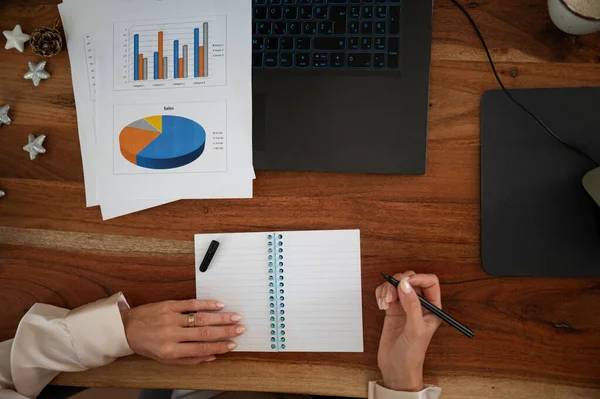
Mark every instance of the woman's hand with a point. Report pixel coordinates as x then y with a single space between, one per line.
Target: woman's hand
407 329
160 331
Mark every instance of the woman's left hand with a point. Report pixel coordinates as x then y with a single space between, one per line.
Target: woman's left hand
161 332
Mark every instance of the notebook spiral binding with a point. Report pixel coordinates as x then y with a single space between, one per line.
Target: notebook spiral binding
276 290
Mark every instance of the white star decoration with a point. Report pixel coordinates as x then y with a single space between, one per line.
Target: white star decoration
34 146
37 72
15 38
4 119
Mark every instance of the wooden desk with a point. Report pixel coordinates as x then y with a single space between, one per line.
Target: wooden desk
536 337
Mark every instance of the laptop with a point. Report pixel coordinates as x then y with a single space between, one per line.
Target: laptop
341 85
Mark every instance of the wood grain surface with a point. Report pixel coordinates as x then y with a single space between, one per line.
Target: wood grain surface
535 337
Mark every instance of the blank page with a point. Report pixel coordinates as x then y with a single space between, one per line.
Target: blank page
238 276
322 291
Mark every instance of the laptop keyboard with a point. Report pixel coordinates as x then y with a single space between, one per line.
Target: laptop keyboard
326 34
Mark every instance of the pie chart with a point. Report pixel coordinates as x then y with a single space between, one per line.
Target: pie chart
162 142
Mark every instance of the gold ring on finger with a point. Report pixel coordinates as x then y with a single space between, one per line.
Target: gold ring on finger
191 321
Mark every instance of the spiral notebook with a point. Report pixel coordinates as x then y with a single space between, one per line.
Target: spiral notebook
297 291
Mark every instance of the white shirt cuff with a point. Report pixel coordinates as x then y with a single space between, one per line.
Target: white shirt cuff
378 391
97 331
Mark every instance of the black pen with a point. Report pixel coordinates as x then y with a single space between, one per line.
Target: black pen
435 310
210 253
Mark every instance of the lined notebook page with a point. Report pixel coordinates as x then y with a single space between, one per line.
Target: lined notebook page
238 276
318 288
323 305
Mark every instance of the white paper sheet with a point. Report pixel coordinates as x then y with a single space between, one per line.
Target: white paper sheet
80 25
317 284
80 42
123 101
83 96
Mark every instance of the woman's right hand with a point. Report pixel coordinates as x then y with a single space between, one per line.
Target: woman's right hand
160 331
407 329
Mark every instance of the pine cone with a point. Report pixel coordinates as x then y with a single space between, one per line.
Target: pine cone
46 41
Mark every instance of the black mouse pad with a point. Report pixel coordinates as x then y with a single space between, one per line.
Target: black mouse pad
536 217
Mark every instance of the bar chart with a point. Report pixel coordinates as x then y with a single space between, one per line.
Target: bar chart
170 54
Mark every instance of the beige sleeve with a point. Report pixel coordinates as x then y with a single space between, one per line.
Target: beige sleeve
378 391
50 340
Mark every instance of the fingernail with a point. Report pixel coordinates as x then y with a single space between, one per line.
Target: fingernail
236 317
405 285
388 297
386 305
232 345
220 305
210 359
379 304
240 329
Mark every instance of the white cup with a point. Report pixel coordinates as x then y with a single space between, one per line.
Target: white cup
576 17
